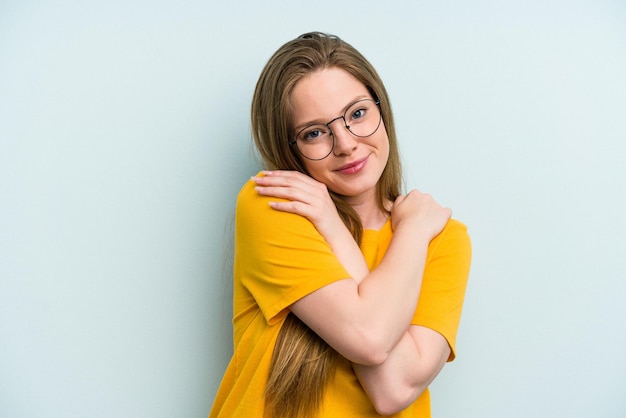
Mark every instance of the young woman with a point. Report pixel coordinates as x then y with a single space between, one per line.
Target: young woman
347 293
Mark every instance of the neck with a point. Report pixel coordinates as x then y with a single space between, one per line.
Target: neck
372 217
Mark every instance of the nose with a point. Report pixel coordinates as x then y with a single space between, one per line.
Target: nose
344 142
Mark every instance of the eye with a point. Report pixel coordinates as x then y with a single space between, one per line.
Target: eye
313 134
358 112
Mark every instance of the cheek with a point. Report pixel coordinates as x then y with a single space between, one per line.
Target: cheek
385 140
382 143
315 169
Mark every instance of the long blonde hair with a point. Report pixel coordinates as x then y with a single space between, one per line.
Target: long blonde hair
302 362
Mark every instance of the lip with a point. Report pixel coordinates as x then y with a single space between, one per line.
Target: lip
353 167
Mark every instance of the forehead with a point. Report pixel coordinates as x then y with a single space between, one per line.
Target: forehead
324 94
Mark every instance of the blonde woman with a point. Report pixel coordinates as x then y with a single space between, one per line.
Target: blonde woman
347 292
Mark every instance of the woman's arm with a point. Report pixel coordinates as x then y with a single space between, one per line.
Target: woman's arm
363 317
409 369
419 356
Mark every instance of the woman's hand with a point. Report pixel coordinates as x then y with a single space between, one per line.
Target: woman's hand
305 196
420 211
309 198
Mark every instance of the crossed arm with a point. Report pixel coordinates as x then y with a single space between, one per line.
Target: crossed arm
366 317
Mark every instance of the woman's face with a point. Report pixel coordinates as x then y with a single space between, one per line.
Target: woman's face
355 164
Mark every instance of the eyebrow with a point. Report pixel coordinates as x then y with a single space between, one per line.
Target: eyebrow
320 121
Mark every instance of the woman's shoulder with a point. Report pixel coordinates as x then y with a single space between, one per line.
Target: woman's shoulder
247 191
253 207
248 195
453 235
250 202
455 225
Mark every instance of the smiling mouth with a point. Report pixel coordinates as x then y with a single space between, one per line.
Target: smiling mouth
353 167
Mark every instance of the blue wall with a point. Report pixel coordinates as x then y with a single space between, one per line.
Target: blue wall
124 139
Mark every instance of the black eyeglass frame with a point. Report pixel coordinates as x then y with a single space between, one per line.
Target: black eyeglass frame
332 135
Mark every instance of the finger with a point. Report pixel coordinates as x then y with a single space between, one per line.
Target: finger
288 193
280 180
285 174
399 199
295 187
291 176
415 195
295 207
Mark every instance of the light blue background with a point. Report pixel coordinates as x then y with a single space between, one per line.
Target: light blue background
124 139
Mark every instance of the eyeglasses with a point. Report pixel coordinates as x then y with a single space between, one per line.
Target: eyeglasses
361 119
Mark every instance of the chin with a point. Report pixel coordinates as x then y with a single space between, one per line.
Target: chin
355 191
